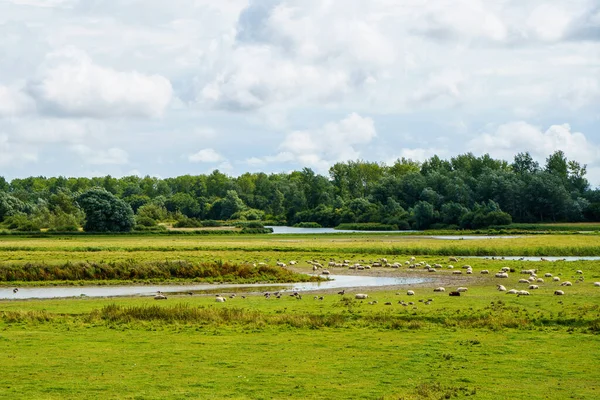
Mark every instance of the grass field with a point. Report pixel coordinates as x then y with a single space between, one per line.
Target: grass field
483 345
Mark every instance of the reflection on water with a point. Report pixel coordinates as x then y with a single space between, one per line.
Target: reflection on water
337 281
545 258
474 237
286 230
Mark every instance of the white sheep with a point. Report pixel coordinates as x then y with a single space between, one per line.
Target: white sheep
410 293
559 292
160 297
522 293
540 280
220 299
556 279
547 275
566 283
501 288
462 289
501 275
532 287
505 269
580 272
485 271
361 296
512 291
325 272
456 272
523 281
597 284
439 289
469 271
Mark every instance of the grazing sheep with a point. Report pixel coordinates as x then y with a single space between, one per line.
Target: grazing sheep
501 275
485 271
454 294
361 296
522 293
450 266
456 272
580 272
532 287
547 275
160 297
540 280
314 268
566 283
559 293
453 259
467 267
556 279
439 289
597 284
462 289
220 299
523 281
388 303
505 269
410 293
531 279
469 271
325 272
512 291
501 288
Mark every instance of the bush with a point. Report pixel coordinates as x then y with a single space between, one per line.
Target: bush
211 223
367 226
307 225
144 221
186 222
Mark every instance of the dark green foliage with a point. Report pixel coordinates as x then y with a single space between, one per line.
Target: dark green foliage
104 212
370 226
434 192
307 225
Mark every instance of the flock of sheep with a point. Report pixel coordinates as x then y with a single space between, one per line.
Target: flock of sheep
532 280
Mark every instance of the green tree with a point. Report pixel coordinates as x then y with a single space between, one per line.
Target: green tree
104 212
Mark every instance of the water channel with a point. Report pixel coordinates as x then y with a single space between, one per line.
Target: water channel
337 281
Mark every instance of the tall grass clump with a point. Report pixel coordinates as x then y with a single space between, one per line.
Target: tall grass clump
163 270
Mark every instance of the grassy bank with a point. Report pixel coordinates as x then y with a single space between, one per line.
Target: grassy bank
536 245
338 348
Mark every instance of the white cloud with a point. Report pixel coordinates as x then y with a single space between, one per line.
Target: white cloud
14 153
112 156
13 102
335 141
205 156
71 84
509 139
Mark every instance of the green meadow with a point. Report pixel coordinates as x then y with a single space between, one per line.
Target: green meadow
484 344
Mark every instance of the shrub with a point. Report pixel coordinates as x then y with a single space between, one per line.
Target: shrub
307 225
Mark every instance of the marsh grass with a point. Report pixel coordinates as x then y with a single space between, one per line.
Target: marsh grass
134 270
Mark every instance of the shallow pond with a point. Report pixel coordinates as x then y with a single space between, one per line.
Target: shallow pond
337 281
536 258
287 230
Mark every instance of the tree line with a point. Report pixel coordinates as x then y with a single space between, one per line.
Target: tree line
465 191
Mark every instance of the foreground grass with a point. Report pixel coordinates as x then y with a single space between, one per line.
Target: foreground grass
483 345
337 348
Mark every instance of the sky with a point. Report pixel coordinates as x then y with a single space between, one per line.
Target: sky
167 88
